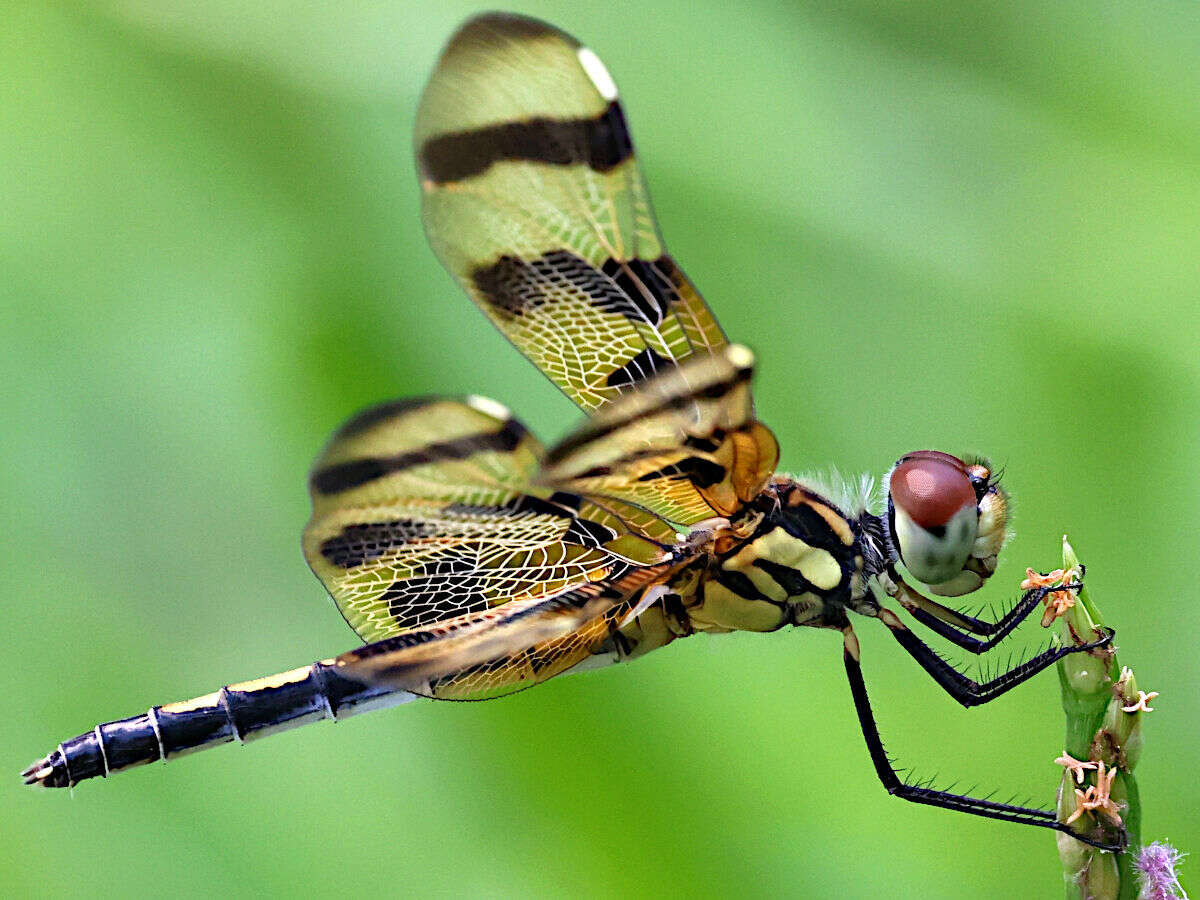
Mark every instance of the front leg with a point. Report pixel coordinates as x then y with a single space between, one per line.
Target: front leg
958 627
965 690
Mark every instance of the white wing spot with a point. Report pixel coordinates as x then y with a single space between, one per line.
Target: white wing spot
488 407
598 73
740 356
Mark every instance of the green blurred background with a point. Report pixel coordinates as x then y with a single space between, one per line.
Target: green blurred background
938 226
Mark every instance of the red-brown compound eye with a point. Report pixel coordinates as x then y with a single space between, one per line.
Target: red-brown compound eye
935 516
931 487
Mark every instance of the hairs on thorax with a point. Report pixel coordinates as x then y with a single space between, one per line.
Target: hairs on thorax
853 496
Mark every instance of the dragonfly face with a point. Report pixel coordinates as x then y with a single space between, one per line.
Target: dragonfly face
947 520
475 562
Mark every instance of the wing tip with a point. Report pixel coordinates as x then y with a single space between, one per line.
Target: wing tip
493 25
372 416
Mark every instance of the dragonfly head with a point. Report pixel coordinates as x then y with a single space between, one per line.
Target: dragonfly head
947 519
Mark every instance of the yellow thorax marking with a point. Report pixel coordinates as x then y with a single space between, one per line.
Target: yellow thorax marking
725 610
815 564
837 522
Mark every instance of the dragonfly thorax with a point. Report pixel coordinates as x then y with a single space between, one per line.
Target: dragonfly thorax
803 564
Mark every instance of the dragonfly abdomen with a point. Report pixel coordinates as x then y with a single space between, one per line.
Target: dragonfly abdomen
240 712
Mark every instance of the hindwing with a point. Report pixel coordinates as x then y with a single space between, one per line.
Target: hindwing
423 511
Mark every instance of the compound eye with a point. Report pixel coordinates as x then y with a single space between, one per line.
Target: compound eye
935 514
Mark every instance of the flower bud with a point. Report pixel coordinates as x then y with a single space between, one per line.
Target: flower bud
1123 730
1086 675
1102 879
1075 855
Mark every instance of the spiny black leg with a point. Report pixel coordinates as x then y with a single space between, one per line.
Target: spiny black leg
965 690
1002 628
958 627
911 598
975 806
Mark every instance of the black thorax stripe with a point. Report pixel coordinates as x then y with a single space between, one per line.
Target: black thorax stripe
602 142
740 584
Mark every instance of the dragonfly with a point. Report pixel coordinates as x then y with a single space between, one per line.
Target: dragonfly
473 562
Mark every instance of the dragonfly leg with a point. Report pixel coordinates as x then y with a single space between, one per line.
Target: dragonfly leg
958 627
928 796
965 690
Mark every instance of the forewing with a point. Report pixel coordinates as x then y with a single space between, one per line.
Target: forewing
685 447
423 512
533 200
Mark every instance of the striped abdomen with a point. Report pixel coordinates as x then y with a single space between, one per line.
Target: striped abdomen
254 709
238 712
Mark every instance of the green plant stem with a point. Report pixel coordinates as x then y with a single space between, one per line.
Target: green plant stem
1098 730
